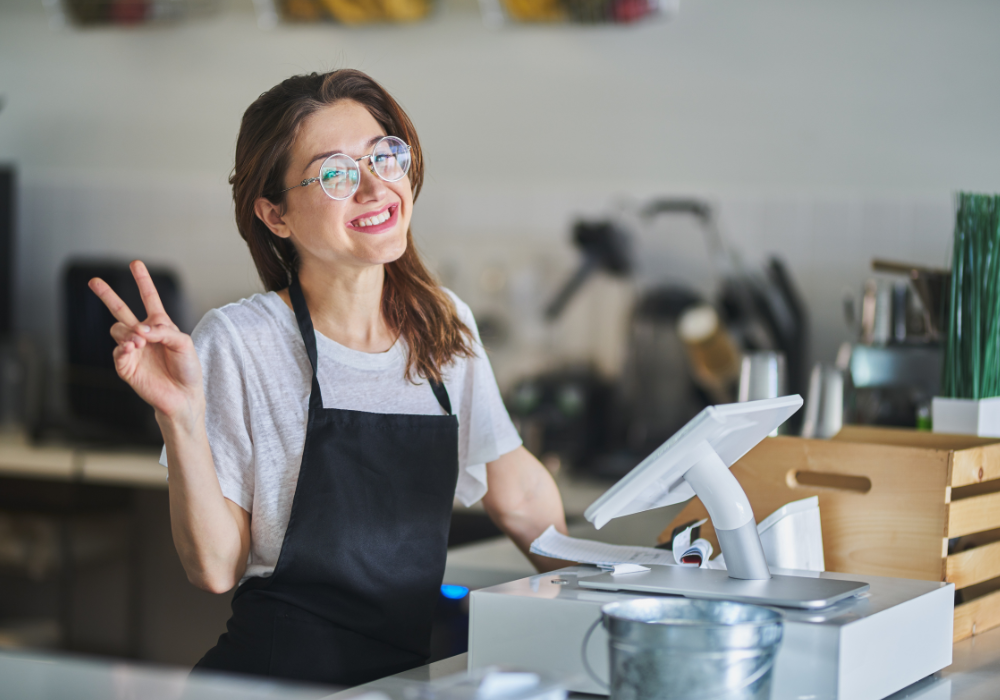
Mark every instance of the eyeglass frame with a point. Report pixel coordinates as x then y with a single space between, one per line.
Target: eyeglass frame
357 162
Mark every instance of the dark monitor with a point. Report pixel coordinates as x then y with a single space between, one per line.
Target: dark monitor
7 197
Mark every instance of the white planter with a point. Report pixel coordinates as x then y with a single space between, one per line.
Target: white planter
966 416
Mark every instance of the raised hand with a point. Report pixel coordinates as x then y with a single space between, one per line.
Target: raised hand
153 356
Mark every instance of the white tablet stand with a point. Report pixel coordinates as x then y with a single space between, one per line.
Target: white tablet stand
696 460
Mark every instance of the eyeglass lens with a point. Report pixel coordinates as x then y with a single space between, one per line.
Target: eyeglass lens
340 176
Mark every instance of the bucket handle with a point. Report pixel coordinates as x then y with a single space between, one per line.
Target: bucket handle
583 655
754 677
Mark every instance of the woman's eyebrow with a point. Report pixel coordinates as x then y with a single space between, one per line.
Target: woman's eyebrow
323 156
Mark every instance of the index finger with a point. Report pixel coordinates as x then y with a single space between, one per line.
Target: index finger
147 290
118 308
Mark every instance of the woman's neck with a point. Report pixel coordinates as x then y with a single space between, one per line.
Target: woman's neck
346 305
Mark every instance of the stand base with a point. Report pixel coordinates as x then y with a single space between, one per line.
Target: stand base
801 592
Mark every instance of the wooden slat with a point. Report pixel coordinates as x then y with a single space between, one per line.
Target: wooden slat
975 464
976 459
973 565
976 514
893 530
977 616
905 437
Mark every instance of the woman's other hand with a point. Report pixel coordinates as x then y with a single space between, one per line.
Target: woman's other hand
153 356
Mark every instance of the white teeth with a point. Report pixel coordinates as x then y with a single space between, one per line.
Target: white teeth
373 221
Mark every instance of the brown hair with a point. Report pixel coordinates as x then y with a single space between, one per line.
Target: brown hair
412 302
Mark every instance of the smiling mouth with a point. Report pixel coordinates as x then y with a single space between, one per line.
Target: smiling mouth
379 218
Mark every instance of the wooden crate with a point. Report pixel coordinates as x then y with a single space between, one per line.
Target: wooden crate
891 502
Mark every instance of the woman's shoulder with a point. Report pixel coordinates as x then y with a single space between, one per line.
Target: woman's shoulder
255 316
463 310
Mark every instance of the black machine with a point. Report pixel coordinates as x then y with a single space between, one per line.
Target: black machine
613 426
102 406
17 360
6 250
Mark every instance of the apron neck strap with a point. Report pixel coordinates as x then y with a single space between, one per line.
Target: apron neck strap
308 337
304 320
441 394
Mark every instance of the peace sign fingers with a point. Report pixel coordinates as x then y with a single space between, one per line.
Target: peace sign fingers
155 312
118 308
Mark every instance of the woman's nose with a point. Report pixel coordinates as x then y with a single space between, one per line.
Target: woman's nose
371 187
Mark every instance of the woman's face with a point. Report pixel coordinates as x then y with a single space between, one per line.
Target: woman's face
343 232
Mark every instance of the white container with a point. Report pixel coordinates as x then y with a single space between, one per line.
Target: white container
825 403
966 416
792 537
859 649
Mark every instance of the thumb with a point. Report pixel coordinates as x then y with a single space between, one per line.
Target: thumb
169 337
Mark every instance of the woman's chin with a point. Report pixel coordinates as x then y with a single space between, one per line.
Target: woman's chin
382 251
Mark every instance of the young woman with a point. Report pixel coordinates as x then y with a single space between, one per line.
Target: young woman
316 435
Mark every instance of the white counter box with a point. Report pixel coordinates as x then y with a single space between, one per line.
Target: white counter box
864 648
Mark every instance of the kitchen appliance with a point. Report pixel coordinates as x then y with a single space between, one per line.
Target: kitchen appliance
21 370
847 637
895 367
824 415
11 371
562 414
762 376
929 289
713 357
7 200
656 393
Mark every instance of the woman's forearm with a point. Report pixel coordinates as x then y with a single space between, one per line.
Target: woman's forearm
210 533
523 501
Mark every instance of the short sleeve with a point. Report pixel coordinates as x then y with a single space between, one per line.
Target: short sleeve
485 429
227 406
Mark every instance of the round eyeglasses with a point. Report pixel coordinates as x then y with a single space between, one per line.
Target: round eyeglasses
340 175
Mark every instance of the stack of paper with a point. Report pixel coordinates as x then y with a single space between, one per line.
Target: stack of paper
792 538
607 556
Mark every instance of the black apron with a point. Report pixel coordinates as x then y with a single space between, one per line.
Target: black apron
353 592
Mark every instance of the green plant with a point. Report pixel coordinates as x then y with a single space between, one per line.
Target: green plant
972 344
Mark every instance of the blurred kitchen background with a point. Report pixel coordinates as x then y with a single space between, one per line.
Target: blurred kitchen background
754 156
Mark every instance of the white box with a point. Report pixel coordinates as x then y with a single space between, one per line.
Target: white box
966 416
865 648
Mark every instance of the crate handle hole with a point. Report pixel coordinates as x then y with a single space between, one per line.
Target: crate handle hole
826 480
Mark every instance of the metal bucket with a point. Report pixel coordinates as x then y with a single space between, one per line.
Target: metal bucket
680 649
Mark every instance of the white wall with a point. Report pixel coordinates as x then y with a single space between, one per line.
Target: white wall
826 131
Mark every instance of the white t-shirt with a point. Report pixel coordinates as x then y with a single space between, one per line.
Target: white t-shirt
257 384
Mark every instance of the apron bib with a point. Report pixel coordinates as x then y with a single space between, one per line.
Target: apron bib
358 577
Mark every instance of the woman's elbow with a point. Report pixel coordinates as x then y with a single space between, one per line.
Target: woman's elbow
217 582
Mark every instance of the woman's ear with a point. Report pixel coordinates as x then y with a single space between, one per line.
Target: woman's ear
270 213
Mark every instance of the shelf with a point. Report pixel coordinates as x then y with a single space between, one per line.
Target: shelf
127 13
